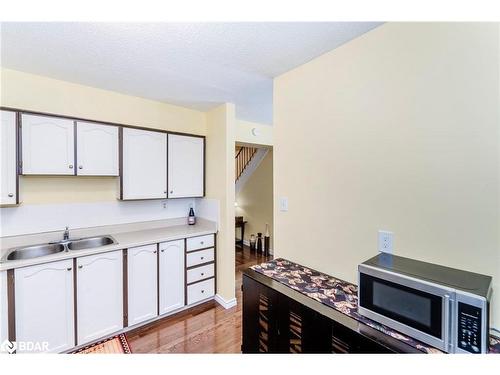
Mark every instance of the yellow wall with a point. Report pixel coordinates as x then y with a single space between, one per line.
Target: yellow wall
37 93
244 133
255 199
397 130
220 185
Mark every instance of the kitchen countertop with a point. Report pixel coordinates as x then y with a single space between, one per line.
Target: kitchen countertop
339 295
125 235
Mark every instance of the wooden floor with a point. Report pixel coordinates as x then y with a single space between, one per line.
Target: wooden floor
207 328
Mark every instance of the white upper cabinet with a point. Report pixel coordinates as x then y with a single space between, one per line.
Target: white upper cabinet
8 162
185 166
47 145
96 149
44 305
171 276
99 295
144 170
142 272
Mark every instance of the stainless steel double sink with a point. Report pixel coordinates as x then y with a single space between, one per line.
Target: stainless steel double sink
36 251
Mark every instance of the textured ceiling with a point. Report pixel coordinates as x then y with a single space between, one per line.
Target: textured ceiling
196 65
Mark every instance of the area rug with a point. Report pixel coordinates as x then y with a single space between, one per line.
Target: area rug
113 345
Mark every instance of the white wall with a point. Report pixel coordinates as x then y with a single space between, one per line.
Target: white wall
397 130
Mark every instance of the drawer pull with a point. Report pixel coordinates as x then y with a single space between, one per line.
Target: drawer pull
202 258
202 291
202 242
202 274
10 195
69 269
80 267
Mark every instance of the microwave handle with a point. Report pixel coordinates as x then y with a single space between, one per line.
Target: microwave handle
446 333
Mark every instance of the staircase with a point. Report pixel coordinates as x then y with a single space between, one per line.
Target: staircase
243 157
247 160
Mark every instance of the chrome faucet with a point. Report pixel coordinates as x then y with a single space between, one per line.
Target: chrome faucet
66 234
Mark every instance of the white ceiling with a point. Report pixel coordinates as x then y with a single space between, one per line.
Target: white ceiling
196 65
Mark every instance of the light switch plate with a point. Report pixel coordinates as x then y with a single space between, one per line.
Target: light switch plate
385 241
283 204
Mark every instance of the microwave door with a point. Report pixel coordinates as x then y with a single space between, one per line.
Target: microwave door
420 310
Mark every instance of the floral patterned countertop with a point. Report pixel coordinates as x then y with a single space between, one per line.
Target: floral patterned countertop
338 294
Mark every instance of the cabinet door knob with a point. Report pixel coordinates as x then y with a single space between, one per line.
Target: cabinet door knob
70 166
10 195
80 267
202 291
165 192
202 274
163 250
171 191
80 167
154 252
69 269
202 258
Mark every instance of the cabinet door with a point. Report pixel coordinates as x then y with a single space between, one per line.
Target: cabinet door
44 305
260 318
185 166
96 149
142 272
172 288
47 145
8 149
4 334
99 295
144 157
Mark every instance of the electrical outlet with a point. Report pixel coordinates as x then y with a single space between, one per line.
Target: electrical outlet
284 204
385 241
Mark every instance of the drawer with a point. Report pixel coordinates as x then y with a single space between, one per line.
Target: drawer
200 273
199 257
200 291
201 242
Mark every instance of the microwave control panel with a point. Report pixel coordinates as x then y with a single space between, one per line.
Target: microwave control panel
469 328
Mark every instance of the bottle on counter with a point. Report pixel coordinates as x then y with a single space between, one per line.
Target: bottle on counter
191 217
267 241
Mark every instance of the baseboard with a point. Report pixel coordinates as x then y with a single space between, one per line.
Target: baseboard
227 304
247 243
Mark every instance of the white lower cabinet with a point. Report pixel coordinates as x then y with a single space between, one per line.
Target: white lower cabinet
171 277
200 291
99 295
44 307
142 272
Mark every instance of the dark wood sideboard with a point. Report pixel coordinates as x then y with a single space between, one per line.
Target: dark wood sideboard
278 319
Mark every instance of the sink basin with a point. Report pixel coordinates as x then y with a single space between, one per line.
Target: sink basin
35 251
89 243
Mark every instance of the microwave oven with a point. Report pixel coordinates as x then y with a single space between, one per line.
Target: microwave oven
440 306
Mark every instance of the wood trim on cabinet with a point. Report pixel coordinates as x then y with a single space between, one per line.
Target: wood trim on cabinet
185 273
11 304
75 145
201 280
215 262
201 265
75 301
203 248
120 159
18 154
157 279
125 287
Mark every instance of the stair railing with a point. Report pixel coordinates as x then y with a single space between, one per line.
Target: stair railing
242 159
